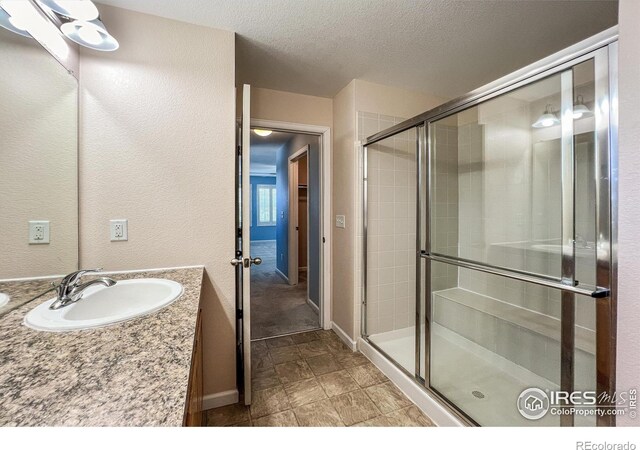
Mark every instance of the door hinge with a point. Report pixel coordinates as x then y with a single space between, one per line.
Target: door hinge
323 240
239 314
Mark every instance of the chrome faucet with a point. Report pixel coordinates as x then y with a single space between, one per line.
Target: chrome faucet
70 290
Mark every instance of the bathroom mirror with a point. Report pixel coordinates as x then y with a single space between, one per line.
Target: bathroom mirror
38 164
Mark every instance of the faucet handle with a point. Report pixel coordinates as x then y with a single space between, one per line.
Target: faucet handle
73 277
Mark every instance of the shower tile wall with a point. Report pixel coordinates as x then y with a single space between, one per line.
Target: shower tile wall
391 231
445 201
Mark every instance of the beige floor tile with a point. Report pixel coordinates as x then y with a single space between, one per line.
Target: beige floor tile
409 417
304 391
380 421
326 334
313 348
350 359
281 419
354 407
269 401
284 354
387 397
258 384
261 361
366 375
241 424
337 346
283 341
318 414
323 364
263 373
301 338
293 371
227 415
258 346
337 383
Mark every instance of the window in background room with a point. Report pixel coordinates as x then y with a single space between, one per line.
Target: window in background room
266 205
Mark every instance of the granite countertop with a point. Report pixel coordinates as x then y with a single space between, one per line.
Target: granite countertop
134 373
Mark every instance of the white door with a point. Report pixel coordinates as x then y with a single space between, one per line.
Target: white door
243 260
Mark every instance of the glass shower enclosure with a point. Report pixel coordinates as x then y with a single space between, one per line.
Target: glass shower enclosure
489 240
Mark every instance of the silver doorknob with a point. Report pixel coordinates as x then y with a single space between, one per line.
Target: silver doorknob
249 261
236 261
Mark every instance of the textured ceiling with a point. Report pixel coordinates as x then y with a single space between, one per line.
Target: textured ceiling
443 47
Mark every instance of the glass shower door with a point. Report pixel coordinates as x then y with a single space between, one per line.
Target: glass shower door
510 252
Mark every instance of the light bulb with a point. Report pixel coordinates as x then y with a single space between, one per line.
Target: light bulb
90 35
547 122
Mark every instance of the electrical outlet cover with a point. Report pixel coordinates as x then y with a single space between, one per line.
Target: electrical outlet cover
39 231
118 230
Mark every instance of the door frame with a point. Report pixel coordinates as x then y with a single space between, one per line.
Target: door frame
324 133
294 199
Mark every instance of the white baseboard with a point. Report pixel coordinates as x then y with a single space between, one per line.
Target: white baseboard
315 307
220 399
438 413
283 276
344 336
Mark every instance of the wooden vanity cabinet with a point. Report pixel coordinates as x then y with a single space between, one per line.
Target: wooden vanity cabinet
193 410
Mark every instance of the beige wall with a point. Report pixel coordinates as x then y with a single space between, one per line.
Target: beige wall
157 148
392 101
268 104
344 174
628 364
38 160
358 96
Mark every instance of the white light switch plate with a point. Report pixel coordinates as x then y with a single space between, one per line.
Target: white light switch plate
39 232
119 230
341 222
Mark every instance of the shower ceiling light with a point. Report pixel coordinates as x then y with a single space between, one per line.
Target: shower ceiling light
548 119
580 110
91 34
13 24
263 133
73 9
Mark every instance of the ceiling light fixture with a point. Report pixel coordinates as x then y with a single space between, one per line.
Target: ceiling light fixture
580 110
26 15
12 24
91 34
263 133
73 9
548 119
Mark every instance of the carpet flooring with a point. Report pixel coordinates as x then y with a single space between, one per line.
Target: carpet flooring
276 307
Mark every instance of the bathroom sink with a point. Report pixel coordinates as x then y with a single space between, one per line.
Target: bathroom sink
101 306
4 299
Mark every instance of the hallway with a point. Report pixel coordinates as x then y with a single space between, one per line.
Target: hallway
276 307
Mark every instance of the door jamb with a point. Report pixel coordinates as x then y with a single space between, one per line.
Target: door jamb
292 236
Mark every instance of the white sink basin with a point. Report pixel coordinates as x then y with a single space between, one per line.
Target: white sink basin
4 299
101 306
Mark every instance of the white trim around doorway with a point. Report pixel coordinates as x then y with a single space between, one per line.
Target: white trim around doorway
325 205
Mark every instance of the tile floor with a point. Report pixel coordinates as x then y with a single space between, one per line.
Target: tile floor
313 379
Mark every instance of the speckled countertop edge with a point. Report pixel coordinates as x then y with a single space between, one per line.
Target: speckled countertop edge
130 374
